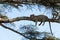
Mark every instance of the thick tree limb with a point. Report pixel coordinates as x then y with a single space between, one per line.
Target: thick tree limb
25 18
14 19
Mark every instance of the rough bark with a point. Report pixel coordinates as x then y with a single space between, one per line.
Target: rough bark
25 18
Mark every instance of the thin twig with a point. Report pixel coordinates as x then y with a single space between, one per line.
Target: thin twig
13 30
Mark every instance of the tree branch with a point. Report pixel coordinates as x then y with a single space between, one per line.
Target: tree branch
49 3
26 18
13 19
28 1
24 1
13 30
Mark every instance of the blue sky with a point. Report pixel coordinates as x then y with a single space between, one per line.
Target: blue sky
23 11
